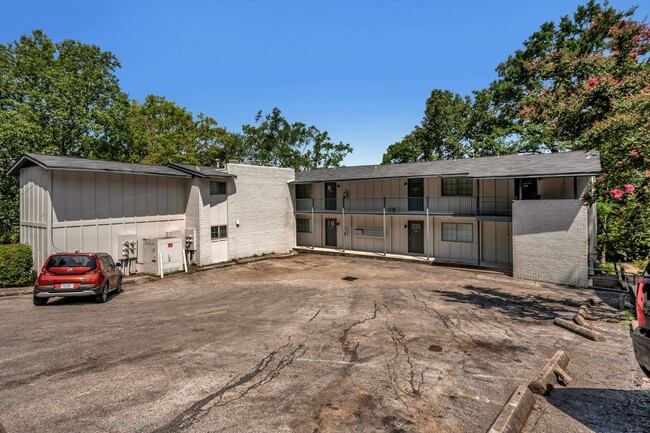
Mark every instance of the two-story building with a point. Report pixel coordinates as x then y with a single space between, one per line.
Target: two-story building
521 212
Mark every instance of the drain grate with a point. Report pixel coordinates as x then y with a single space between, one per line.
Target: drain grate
349 278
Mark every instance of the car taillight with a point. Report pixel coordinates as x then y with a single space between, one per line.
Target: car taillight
641 297
46 273
93 272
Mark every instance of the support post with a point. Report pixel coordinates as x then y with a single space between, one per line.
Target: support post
160 265
384 219
478 235
427 225
313 227
343 232
184 260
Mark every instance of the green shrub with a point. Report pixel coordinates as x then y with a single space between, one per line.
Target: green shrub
16 265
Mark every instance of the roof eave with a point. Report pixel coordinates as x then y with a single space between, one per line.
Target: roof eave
18 165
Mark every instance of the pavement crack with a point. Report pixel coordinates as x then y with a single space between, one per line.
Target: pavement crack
314 316
398 337
202 407
346 345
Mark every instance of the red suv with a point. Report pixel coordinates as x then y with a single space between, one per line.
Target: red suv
68 275
641 335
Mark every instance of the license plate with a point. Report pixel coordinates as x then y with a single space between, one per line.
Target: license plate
67 286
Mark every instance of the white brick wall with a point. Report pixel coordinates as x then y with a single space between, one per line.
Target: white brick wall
197 216
262 204
550 241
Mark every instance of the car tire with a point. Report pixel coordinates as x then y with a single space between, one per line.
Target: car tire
646 371
39 302
119 288
103 296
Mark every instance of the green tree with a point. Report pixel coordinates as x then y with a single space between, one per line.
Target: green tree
161 132
453 126
60 98
274 140
584 84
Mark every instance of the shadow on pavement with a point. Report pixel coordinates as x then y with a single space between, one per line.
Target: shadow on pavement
605 410
524 306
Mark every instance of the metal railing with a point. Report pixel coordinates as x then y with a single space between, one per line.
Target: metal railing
392 205
494 206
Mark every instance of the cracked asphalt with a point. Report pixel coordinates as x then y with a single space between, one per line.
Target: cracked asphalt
288 345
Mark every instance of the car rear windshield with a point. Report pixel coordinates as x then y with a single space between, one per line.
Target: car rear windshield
72 262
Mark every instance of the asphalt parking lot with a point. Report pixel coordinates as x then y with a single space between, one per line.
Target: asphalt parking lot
289 345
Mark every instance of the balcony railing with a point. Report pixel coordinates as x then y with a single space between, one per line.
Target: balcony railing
494 206
397 205
456 205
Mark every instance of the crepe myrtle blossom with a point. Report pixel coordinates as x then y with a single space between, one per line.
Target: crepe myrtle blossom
647 173
593 81
599 179
628 187
634 153
616 193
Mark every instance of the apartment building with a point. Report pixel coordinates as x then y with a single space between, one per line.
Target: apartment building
75 204
522 213
518 212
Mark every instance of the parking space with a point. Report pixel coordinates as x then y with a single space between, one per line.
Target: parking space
293 345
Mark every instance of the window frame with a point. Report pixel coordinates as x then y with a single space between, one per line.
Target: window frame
456 231
306 221
453 191
221 231
220 189
302 187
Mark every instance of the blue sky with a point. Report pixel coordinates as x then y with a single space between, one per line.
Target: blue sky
362 70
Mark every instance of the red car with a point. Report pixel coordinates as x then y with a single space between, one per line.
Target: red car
641 335
79 274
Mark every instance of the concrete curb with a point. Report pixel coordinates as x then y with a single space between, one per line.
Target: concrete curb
454 266
580 330
547 378
514 414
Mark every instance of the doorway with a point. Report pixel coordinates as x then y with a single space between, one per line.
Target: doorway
330 196
416 237
415 195
330 232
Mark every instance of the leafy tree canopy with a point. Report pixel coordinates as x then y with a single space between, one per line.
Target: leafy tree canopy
161 132
59 98
276 141
453 126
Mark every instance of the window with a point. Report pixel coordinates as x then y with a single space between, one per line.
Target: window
217 188
303 191
218 232
457 232
303 225
456 186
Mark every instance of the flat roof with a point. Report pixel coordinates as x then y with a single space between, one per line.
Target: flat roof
493 167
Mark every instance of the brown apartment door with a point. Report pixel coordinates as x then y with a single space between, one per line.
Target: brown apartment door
416 237
330 232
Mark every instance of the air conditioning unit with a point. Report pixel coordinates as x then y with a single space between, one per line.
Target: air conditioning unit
165 253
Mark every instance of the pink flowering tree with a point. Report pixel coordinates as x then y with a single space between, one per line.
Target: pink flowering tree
584 84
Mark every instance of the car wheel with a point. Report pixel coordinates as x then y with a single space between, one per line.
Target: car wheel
103 296
40 301
645 370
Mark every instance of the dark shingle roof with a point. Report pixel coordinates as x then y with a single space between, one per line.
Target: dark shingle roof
508 166
201 170
53 162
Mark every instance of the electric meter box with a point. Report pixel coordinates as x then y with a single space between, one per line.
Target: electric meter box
170 250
